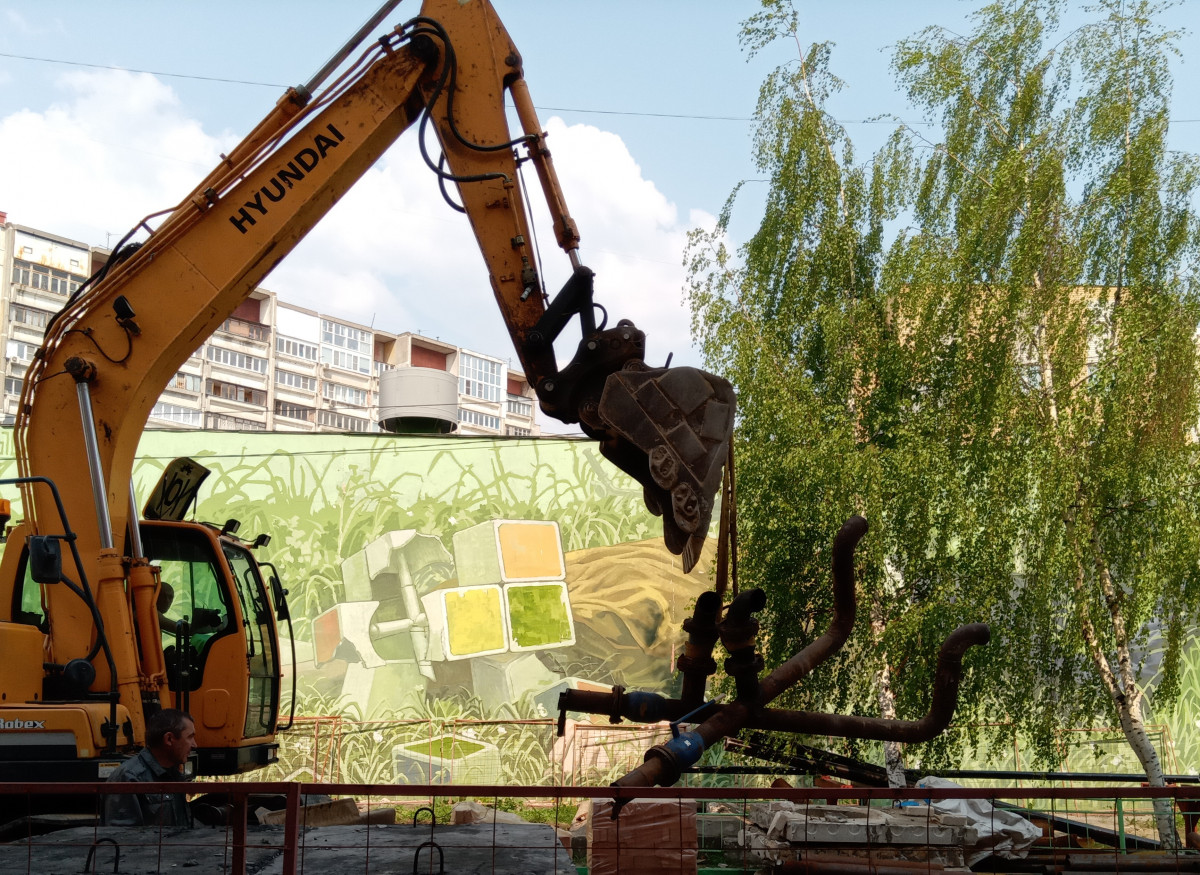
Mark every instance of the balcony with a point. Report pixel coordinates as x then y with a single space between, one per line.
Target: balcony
223 422
519 405
246 329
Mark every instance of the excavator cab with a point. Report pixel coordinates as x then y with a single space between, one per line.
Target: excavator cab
210 616
220 642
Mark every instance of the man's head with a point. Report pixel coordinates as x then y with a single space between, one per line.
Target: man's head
171 737
166 595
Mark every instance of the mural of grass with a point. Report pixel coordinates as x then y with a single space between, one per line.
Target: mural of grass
323 505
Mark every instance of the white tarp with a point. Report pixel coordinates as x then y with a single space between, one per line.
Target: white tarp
1003 833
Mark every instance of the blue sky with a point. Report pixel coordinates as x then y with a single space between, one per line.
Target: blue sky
647 103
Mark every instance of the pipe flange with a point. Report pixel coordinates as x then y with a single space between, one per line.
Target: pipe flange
705 664
618 703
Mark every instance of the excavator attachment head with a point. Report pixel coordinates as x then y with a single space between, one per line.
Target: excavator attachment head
669 429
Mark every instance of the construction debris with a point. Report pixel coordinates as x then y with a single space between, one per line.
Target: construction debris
781 832
333 812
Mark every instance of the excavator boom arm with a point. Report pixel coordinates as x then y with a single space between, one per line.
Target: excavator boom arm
112 350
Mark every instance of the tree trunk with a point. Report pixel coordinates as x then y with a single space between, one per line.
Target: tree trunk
893 753
1120 682
1130 710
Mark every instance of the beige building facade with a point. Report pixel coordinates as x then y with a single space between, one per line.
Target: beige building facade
273 366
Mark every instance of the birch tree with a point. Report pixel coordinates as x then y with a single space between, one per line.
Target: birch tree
985 340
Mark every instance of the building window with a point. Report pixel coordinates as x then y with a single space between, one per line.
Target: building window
185 382
479 378
342 422
245 328
36 276
39 276
383 368
29 316
187 416
519 405
13 385
21 351
296 381
234 392
223 422
294 411
296 348
517 431
235 359
345 337
347 361
343 394
61 283
483 420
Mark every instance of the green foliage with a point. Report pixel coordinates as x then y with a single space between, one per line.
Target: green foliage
984 341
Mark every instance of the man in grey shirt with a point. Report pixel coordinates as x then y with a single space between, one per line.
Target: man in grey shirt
170 740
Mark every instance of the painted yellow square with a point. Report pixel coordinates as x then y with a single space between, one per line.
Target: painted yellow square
474 623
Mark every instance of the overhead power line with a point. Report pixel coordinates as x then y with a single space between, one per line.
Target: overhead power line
674 115
132 70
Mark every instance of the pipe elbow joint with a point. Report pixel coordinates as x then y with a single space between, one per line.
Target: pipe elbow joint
680 753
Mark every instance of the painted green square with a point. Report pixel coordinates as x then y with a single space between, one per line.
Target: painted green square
537 615
445 748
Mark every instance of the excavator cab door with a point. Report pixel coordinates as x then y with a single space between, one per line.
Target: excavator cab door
260 638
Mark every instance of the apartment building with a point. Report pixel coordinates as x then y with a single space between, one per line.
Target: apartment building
273 366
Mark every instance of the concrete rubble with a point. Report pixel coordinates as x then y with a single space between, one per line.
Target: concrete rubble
781 831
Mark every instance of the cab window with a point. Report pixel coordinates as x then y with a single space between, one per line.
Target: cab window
27 605
261 643
191 587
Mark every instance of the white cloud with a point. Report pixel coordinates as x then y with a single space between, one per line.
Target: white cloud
17 24
631 235
391 253
117 148
394 226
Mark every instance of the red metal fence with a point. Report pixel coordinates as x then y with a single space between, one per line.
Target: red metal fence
1110 824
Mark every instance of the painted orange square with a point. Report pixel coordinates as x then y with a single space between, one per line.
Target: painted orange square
529 552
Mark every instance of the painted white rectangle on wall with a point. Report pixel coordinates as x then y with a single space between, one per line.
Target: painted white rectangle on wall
40 250
293 323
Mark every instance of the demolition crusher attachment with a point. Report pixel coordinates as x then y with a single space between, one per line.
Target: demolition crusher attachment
668 428
737 631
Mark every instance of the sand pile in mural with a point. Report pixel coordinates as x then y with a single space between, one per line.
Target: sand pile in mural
629 601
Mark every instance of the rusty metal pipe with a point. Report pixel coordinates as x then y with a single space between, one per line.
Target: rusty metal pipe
814 865
664 763
620 703
941 709
697 663
739 633
845 610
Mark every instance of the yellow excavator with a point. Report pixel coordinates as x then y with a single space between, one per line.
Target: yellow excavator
88 655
